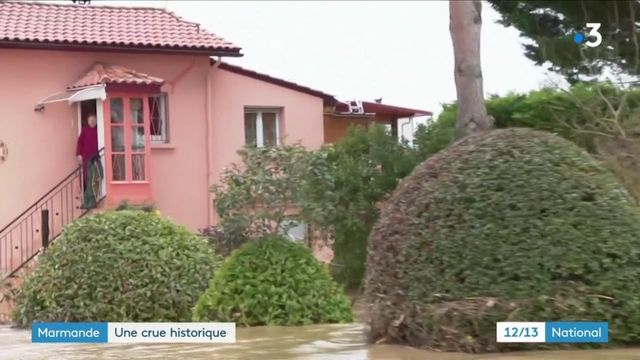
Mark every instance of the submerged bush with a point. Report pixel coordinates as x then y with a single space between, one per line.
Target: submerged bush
118 266
273 281
510 225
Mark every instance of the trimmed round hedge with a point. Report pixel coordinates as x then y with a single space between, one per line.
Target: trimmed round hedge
508 225
273 281
118 266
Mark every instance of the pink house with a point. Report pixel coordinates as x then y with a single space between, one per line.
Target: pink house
170 115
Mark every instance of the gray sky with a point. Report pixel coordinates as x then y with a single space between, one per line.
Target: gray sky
400 51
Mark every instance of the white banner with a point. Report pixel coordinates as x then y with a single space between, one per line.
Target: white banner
520 332
162 332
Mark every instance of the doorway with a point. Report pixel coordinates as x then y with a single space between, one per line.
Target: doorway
93 107
87 107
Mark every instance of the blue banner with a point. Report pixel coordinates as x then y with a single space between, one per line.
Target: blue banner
576 332
93 332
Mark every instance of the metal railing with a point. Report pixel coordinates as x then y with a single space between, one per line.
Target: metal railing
31 231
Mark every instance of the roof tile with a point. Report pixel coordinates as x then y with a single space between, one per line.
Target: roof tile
109 74
136 27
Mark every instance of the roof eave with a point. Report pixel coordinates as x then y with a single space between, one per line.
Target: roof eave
327 98
233 52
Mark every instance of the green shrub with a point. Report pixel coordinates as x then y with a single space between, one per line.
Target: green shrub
223 239
437 134
118 266
336 189
365 167
509 225
125 205
580 114
272 281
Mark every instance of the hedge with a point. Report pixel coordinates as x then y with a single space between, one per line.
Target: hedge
273 281
118 266
515 225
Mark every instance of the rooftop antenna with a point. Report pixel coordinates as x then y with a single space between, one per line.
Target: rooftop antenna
82 2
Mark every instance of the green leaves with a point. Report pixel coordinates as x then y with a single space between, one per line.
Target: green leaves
273 281
520 219
549 28
255 198
578 114
118 266
366 165
336 188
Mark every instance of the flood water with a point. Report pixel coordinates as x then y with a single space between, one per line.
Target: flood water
266 343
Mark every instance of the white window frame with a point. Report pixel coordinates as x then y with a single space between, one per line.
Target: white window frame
259 125
163 138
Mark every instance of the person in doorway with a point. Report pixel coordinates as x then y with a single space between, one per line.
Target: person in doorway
89 160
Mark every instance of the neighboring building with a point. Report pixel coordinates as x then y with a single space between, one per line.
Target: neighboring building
170 114
338 116
341 115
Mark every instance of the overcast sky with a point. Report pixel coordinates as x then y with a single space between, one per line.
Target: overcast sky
400 51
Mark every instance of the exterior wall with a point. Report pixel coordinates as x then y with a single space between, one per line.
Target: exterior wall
335 127
301 119
42 145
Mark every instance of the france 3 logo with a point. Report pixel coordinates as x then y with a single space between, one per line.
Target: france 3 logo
592 39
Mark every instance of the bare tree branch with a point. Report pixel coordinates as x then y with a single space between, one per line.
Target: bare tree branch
615 120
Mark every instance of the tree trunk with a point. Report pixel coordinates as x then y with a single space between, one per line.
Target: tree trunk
465 25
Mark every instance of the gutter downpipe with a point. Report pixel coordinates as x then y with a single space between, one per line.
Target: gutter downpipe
209 135
410 122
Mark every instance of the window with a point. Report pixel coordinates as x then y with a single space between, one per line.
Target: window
159 118
137 140
262 128
128 145
294 230
117 139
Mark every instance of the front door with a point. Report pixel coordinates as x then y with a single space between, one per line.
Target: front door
128 160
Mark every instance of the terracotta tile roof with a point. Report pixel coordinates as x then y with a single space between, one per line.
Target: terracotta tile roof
42 25
114 74
270 79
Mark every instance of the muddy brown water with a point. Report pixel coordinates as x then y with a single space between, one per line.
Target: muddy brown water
265 343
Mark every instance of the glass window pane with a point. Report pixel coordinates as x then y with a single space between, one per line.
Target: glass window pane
159 116
137 116
156 119
117 139
137 138
116 110
138 167
269 133
119 173
250 128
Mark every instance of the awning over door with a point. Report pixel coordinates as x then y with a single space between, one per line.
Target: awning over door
114 74
75 95
93 83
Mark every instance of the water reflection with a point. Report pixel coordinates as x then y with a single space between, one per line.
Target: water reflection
267 343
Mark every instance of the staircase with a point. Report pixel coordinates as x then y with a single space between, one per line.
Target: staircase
30 232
